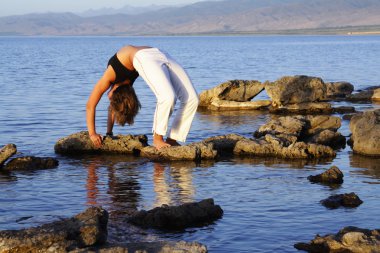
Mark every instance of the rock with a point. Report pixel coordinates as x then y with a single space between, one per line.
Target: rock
162 247
365 95
86 229
376 95
344 109
218 104
331 176
6 152
365 128
175 217
235 90
345 200
339 89
329 138
317 124
31 163
296 89
224 144
349 239
192 152
80 143
348 116
291 126
303 108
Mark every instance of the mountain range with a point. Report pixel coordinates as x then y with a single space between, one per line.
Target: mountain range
208 17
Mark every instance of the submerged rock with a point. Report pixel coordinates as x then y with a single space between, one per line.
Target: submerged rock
345 200
6 152
295 90
80 143
365 128
339 89
31 163
303 108
349 239
331 176
174 217
85 229
235 90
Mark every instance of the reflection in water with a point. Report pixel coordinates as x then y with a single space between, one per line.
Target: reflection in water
274 162
173 183
7 177
123 187
370 165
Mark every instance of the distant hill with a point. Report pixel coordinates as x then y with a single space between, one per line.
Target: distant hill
228 16
129 10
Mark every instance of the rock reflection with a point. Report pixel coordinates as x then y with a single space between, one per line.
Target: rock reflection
7 177
370 166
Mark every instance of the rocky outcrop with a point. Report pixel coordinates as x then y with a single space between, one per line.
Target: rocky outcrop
235 94
295 90
320 130
85 229
6 152
349 239
193 152
365 128
366 95
331 176
31 163
186 215
80 143
339 89
345 200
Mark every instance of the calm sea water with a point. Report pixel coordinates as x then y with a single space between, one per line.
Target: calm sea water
268 203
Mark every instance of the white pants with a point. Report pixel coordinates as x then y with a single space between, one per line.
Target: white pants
168 81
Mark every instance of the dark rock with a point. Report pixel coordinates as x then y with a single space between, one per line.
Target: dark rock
235 90
339 89
329 138
348 116
176 217
80 143
344 109
345 200
365 95
296 89
348 240
31 163
86 229
365 128
6 152
331 176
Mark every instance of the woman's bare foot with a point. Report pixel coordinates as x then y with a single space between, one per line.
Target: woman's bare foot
172 142
158 142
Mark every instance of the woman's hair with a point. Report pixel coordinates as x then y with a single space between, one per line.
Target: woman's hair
124 104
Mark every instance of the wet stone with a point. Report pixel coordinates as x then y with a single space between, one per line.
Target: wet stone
176 217
31 163
346 200
6 152
331 176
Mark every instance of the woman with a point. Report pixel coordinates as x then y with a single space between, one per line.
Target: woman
165 77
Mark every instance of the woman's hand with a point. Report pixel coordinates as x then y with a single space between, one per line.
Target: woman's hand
96 140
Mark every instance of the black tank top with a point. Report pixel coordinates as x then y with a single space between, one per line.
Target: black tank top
122 73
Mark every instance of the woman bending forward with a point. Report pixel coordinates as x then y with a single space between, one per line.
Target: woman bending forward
165 77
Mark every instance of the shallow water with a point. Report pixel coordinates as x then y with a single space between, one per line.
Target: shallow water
268 203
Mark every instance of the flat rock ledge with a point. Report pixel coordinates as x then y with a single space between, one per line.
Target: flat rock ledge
331 176
178 217
349 200
6 152
234 95
148 247
80 143
349 239
85 229
365 128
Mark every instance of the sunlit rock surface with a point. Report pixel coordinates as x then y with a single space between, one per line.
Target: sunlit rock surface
349 239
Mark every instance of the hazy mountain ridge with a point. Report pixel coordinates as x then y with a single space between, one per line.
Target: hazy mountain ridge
204 17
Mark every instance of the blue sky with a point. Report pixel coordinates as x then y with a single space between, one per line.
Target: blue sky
15 7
